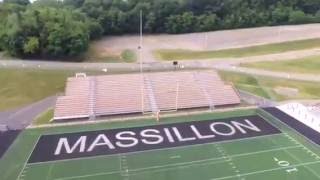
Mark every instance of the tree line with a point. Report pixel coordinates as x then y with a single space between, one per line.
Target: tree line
64 28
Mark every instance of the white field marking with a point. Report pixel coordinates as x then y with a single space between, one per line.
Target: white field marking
25 163
50 169
308 150
114 172
90 175
291 128
268 170
190 163
175 157
231 163
137 171
213 159
168 148
120 168
287 135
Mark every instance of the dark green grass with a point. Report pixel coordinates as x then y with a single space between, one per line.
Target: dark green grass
181 54
253 157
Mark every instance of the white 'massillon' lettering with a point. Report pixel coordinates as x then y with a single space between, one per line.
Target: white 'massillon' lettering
128 139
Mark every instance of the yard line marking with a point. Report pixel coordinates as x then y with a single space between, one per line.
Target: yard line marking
267 170
213 159
154 150
308 151
176 165
25 163
175 157
231 163
292 129
139 171
89 175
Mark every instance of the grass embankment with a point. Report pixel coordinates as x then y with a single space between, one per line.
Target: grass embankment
303 65
95 54
181 54
21 87
265 87
44 118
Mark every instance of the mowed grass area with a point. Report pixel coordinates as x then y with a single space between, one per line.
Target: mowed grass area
302 65
20 87
181 54
95 54
44 118
265 86
250 159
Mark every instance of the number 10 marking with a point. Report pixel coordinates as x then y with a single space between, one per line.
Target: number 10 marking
285 164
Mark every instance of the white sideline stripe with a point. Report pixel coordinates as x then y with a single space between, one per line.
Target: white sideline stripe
25 163
291 128
311 170
267 170
212 159
189 163
115 172
175 157
90 175
167 148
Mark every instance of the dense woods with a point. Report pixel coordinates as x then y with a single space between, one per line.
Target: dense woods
56 29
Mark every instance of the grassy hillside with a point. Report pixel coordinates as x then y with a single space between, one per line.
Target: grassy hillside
267 87
303 65
180 54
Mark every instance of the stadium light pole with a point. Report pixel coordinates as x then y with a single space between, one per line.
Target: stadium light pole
177 94
140 42
140 59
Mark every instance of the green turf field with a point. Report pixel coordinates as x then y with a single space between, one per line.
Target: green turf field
284 156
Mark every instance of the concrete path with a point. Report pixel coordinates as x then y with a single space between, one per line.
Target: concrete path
22 117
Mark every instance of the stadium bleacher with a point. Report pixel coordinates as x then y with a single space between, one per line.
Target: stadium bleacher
94 96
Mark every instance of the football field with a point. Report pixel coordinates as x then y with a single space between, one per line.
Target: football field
281 156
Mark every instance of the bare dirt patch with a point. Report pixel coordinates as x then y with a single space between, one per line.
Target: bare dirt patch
287 91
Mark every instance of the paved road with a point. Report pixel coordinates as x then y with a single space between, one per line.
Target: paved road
200 41
22 117
221 64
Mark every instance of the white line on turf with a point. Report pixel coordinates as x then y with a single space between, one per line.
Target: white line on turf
291 128
267 170
186 164
175 157
231 163
212 159
25 163
89 175
308 151
154 150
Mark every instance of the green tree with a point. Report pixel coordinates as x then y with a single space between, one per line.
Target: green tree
95 29
298 16
31 46
45 32
20 2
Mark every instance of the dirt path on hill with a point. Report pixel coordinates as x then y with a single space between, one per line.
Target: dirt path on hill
216 40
